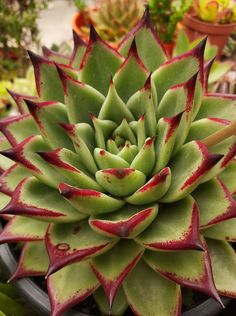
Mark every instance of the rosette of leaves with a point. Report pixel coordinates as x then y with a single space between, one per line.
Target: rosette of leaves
112 188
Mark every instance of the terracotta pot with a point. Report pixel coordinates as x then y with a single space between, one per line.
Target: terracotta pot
80 20
218 33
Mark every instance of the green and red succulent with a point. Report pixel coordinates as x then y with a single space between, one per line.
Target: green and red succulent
112 189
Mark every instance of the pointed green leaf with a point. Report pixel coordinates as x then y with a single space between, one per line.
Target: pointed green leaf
120 181
165 76
225 230
128 222
113 267
106 160
205 127
48 117
55 56
188 167
71 243
90 201
81 99
147 292
33 260
215 202
167 128
176 227
11 178
131 68
18 128
21 228
33 198
128 152
189 268
48 83
78 51
99 59
223 259
228 176
68 164
82 284
146 153
82 136
114 108
119 306
153 190
217 105
147 41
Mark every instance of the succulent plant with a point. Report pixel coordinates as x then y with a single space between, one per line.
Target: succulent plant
118 187
113 18
216 11
166 14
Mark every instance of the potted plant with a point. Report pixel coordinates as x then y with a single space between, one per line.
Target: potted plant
166 14
112 18
217 19
121 187
19 31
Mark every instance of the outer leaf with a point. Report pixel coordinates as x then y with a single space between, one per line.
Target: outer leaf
192 61
147 292
71 243
90 201
25 154
217 105
47 80
202 128
11 178
67 163
188 268
82 284
215 203
223 255
101 59
17 128
176 227
19 99
54 56
78 51
33 198
147 41
21 228
153 190
119 306
228 178
48 116
131 68
5 163
128 222
113 267
33 260
117 181
188 167
225 230
80 98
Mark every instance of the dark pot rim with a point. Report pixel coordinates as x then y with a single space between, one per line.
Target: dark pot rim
39 300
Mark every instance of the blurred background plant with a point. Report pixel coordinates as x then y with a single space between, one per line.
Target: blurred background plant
215 11
80 4
25 86
166 14
111 18
19 31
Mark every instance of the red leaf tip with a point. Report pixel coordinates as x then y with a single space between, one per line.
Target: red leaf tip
32 106
93 36
77 40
